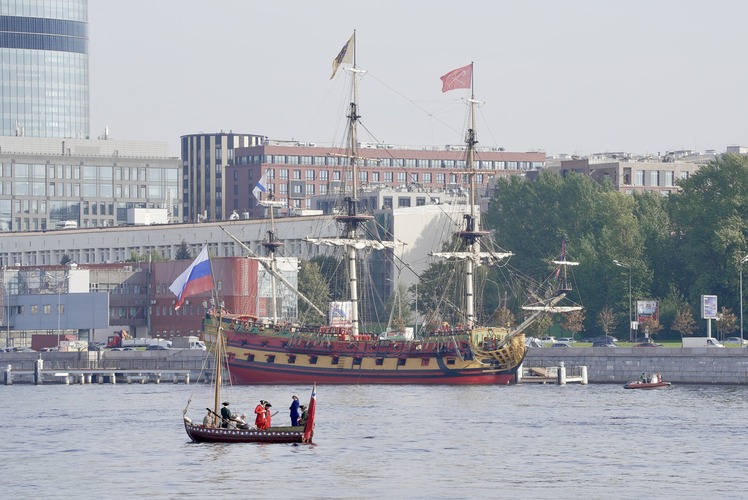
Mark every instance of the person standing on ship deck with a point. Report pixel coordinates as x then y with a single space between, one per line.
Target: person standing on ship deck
295 411
260 412
268 416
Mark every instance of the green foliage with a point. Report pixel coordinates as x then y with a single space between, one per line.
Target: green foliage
65 260
183 253
152 256
334 273
672 249
711 229
312 285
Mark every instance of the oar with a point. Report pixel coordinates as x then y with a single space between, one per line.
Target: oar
216 414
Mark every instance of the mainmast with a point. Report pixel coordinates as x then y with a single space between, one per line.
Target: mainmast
352 220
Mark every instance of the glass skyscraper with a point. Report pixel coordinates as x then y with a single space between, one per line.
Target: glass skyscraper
44 68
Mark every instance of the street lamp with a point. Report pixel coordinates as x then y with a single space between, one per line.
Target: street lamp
741 298
627 266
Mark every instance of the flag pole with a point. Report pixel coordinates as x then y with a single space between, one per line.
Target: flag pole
354 49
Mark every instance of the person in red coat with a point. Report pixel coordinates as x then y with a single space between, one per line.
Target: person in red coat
268 416
260 415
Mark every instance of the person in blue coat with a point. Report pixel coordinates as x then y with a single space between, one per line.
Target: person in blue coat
295 411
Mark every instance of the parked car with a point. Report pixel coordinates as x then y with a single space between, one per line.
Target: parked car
566 339
129 349
604 344
735 341
156 347
533 342
648 344
607 338
561 344
547 341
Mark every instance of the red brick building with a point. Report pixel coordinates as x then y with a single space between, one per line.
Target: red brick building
235 278
296 171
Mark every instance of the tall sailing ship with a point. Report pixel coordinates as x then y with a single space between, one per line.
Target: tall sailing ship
269 352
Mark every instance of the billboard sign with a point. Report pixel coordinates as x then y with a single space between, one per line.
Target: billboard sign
708 307
646 310
340 314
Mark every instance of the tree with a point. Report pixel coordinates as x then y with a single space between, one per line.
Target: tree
532 218
314 287
684 322
334 275
152 256
65 260
400 309
710 228
503 318
606 318
727 323
651 327
183 253
573 322
540 327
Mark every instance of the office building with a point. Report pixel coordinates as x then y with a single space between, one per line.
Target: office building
296 172
44 69
632 176
67 183
204 160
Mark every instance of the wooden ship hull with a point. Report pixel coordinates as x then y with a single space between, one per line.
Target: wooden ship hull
274 435
257 354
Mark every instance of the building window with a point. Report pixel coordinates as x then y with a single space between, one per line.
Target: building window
403 202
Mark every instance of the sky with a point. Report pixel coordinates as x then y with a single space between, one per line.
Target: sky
563 77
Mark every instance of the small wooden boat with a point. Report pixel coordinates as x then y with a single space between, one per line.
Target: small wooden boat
653 381
229 428
213 432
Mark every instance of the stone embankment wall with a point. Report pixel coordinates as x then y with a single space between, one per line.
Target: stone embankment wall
172 359
703 365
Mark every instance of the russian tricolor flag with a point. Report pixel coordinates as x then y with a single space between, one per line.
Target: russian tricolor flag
195 279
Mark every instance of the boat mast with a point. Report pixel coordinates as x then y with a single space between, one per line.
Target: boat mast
271 245
471 235
352 220
219 361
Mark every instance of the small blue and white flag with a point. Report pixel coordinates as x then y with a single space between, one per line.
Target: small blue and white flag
260 187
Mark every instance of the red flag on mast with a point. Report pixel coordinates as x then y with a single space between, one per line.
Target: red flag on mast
460 78
309 427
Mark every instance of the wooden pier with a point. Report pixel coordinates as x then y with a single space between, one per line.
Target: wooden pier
40 376
560 375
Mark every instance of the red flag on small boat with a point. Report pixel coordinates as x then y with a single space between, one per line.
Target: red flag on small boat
309 427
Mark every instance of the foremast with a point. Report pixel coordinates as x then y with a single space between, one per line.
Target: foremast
271 246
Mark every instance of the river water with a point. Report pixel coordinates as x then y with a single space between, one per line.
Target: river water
527 441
